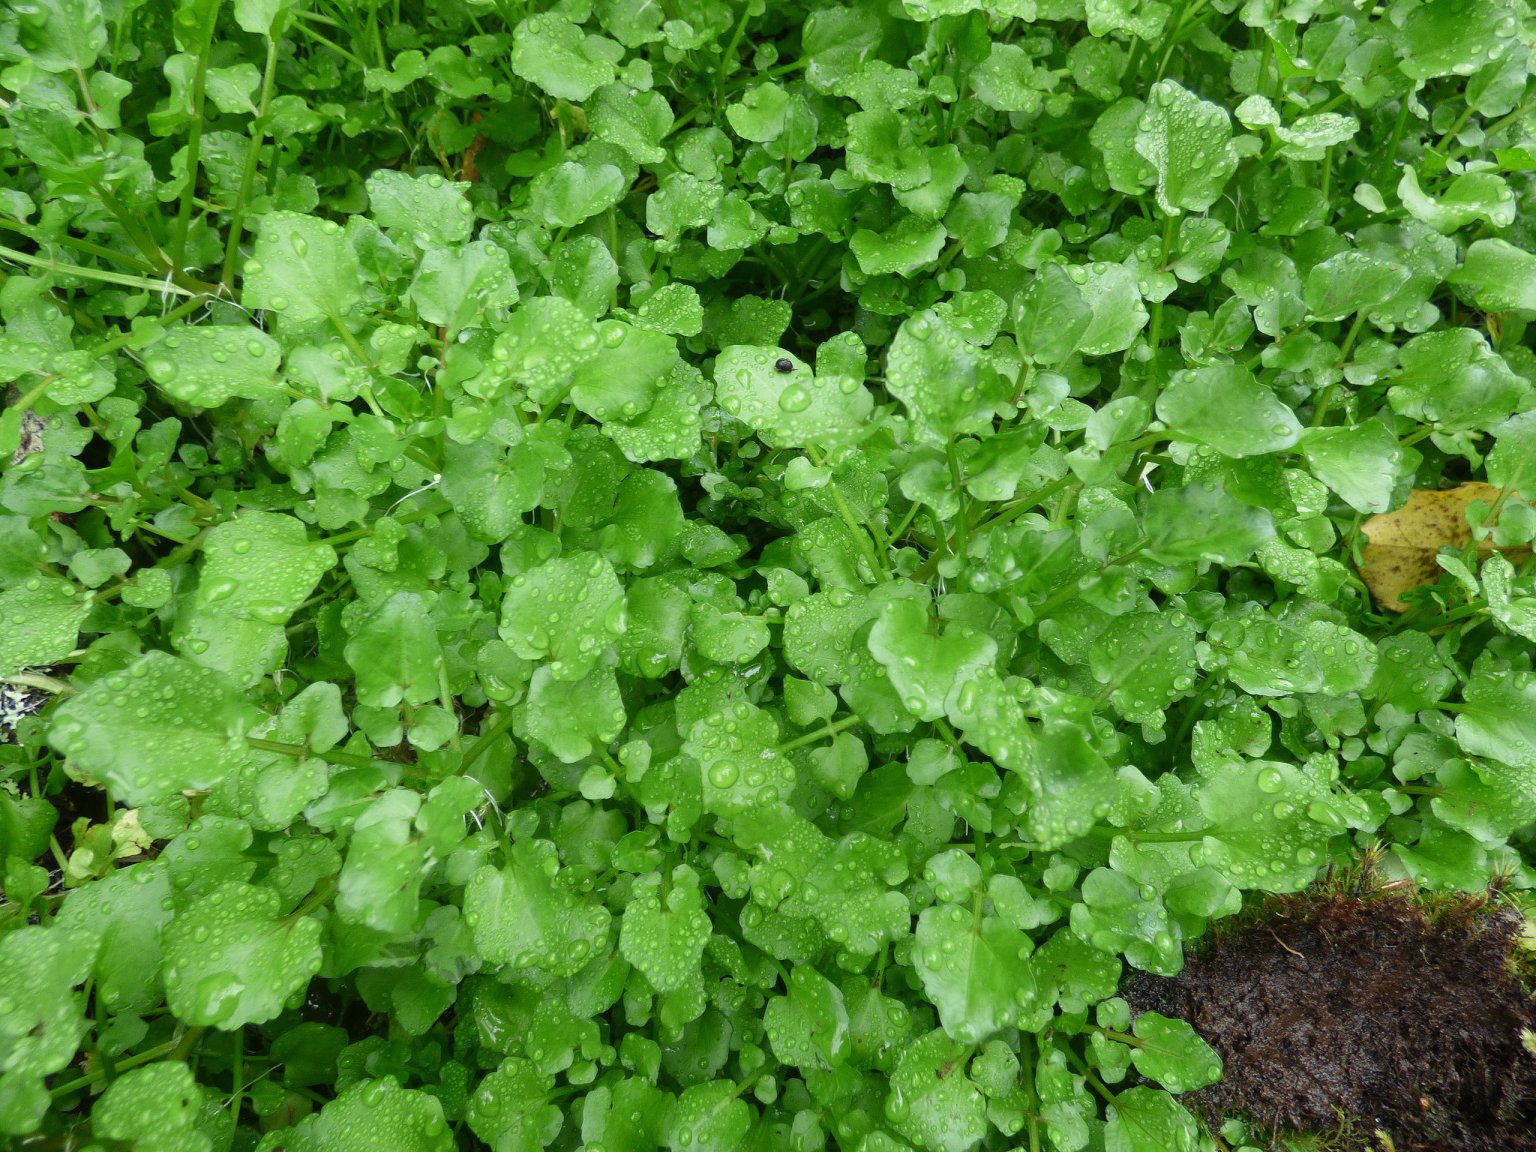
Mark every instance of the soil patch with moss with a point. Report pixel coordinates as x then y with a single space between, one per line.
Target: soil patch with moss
1364 1013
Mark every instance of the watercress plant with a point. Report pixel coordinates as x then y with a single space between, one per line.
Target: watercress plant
707 575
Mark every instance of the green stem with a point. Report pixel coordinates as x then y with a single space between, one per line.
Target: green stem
175 1049
1088 1076
324 889
1389 157
127 337
407 517
119 278
40 238
194 138
484 743
729 55
962 528
831 729
40 682
1129 554
861 538
300 752
1160 837
237 1072
1121 1037
248 176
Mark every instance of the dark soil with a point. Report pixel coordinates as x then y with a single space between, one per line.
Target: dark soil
1342 1008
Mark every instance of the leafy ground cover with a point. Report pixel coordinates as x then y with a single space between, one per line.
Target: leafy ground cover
711 575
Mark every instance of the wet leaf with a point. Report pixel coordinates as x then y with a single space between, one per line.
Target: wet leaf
1172 1054
230 961
42 1018
1403 544
369 1114
160 726
664 935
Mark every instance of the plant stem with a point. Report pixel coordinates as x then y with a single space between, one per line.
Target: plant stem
831 729
300 752
248 176
194 137
122 279
484 743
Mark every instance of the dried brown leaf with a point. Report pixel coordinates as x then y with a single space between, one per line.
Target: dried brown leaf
1403 544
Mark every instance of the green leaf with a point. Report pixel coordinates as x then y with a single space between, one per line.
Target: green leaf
510 1109
789 408
1144 663
209 365
302 268
707 1118
1498 721
369 1114
669 429
1052 316
568 611
547 339
1452 379
1188 142
1173 1054
976 971
1146 1120
40 1029
1512 463
395 653
427 208
466 287
946 384
568 193
664 936
741 767
40 622
1225 407
1118 313
525 916
1203 522
1006 80
1451 37
924 668
900 250
932 1101
1502 278
808 1027
256 572
160 726
1364 464
1119 915
571 717
127 909
1351 282
1261 836
623 378
1277 657
1469 197
230 961
381 879
159 1106
637 122
550 51
60 35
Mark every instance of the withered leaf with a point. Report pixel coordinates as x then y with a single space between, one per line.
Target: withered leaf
1403 543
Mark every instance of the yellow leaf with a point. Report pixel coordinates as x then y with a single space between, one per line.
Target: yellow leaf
1403 544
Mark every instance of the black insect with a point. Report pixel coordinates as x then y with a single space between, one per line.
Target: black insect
784 364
